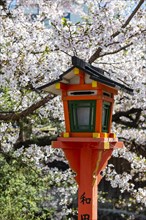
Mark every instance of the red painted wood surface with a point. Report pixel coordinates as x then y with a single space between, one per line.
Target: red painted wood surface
87 158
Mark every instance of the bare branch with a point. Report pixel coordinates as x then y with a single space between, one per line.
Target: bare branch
133 122
116 51
99 49
133 13
129 18
3 3
39 141
16 116
95 55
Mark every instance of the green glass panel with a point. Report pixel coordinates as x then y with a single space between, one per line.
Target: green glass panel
82 115
105 116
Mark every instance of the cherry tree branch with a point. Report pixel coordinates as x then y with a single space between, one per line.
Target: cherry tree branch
116 51
133 122
39 141
99 49
129 18
16 116
3 3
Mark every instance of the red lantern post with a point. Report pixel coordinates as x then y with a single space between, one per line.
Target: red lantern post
88 143
87 157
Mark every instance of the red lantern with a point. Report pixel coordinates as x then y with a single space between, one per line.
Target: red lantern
88 98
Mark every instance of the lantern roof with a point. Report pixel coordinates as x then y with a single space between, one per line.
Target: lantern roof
91 72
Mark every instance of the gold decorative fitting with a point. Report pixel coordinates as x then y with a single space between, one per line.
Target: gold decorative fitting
106 145
105 135
76 71
94 84
96 135
57 85
66 135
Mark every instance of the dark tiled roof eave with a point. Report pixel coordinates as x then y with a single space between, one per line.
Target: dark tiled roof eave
95 73
48 84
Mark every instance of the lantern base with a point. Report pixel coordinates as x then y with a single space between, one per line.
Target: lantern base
88 135
87 157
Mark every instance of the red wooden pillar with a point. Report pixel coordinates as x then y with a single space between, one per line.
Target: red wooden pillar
87 157
87 194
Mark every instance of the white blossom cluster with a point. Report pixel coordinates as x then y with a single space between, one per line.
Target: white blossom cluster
119 180
138 163
8 136
123 181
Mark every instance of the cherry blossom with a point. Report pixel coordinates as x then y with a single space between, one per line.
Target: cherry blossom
33 54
